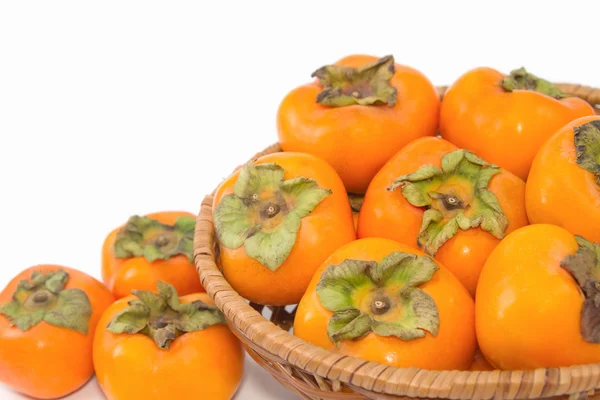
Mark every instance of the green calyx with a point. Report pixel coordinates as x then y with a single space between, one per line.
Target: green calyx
383 298
264 212
148 238
587 147
44 298
584 266
455 196
520 79
366 85
161 316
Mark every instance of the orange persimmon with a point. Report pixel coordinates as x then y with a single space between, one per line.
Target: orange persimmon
48 314
156 345
537 300
383 301
357 113
149 248
276 220
448 201
564 183
506 118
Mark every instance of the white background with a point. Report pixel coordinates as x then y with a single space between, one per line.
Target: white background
114 108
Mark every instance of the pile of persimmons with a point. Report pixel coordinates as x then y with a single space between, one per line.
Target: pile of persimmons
459 233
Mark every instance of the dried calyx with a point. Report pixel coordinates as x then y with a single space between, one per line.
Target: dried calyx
162 317
44 298
153 240
366 85
520 79
587 147
584 266
455 196
264 212
383 298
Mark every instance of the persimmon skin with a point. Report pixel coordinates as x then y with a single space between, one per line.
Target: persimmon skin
528 306
46 361
203 364
452 348
327 227
122 275
357 140
559 191
503 128
388 214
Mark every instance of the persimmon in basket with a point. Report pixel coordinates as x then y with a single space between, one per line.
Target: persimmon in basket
276 220
564 183
538 300
451 203
149 248
357 113
383 301
505 119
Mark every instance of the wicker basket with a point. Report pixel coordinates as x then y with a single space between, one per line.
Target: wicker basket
314 373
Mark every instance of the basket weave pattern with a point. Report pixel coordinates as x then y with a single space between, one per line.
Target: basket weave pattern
317 374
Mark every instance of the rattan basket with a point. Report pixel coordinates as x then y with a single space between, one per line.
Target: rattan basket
314 373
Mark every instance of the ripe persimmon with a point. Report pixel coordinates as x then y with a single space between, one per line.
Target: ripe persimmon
156 345
276 220
48 314
357 113
149 248
383 301
564 183
537 300
447 201
505 119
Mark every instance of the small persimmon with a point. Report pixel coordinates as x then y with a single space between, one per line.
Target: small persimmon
149 248
157 345
357 113
538 300
48 315
445 200
383 301
505 119
276 220
564 183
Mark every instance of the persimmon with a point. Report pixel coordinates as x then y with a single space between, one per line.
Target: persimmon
445 200
537 300
505 119
276 220
564 183
157 345
357 113
48 314
480 363
149 248
383 301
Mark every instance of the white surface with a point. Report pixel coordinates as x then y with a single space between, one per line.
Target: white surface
114 108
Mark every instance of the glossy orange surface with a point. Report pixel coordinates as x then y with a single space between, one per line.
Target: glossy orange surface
452 348
206 364
357 140
559 191
122 275
47 361
528 307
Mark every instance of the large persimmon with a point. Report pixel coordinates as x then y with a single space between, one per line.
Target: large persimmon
380 300
276 220
505 119
564 183
357 113
538 300
445 200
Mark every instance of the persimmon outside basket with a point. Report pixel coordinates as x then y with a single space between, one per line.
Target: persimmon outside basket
317 374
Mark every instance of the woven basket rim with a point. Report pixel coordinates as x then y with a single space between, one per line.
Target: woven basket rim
373 377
